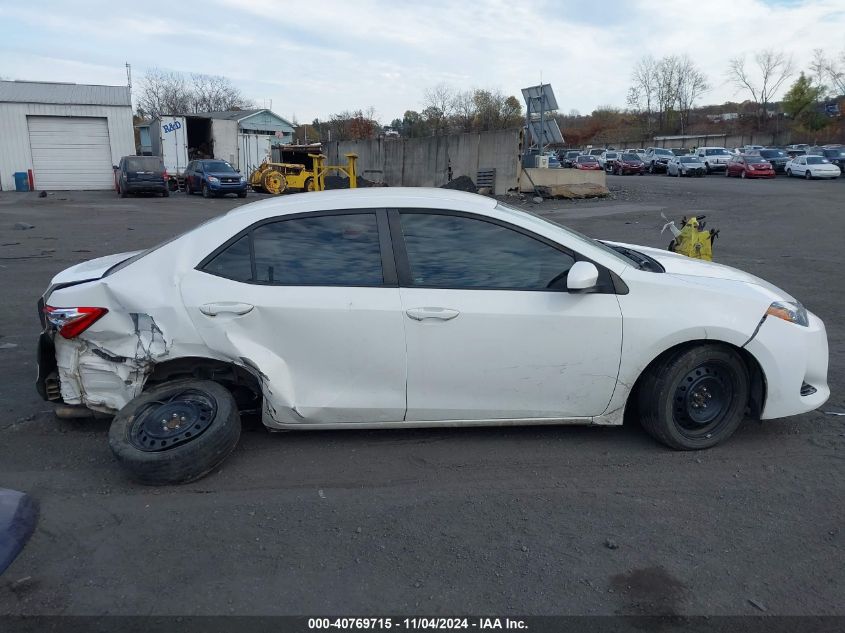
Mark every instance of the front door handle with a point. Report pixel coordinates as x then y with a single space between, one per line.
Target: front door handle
439 314
225 307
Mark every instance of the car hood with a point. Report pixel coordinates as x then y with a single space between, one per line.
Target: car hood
676 264
92 269
223 174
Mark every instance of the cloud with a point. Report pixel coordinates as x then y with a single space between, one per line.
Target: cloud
317 58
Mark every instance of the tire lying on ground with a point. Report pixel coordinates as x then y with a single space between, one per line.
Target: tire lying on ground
175 432
694 398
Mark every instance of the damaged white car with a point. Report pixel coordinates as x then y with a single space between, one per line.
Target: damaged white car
376 308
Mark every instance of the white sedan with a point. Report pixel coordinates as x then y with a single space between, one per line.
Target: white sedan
396 308
812 167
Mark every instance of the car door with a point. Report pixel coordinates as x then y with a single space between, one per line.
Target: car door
311 303
491 331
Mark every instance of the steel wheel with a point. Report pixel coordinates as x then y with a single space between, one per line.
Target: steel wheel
160 426
702 399
274 182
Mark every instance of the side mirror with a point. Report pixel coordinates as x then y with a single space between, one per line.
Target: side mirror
582 276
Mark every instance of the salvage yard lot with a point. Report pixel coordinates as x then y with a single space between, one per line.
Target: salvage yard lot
509 521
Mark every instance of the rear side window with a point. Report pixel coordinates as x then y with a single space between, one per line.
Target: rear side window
446 251
332 250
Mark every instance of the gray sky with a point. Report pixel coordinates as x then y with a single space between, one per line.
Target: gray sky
312 59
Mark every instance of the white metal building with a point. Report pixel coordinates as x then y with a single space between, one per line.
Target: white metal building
69 135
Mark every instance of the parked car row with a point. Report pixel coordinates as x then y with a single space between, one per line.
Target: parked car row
147 174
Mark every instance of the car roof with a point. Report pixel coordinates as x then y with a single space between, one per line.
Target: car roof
369 197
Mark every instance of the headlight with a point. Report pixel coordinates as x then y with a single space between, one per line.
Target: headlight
213 179
789 311
243 178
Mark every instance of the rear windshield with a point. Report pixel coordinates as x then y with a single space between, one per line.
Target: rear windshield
571 154
587 159
772 153
144 163
218 166
756 160
630 157
689 159
716 152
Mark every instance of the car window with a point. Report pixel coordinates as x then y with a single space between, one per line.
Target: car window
144 163
333 250
234 262
447 251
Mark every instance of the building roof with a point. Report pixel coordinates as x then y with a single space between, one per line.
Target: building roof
64 93
231 115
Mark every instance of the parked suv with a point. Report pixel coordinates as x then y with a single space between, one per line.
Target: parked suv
657 158
214 177
140 174
835 154
714 158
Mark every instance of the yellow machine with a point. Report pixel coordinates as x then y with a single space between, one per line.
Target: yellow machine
692 239
278 178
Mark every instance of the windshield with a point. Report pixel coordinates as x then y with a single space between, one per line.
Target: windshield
610 155
571 154
218 166
716 152
580 236
630 157
772 153
834 153
816 160
144 163
754 160
587 159
689 159
663 152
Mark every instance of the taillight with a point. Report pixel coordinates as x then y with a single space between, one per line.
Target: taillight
164 176
71 322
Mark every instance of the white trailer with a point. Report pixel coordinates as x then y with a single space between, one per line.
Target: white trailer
169 139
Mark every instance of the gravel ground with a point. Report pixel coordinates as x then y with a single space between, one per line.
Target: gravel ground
504 521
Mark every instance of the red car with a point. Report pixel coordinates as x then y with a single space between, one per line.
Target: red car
587 162
629 163
750 167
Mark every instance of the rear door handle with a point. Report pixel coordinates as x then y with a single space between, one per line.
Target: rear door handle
439 314
225 307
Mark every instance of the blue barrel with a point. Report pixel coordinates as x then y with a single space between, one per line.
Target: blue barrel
21 181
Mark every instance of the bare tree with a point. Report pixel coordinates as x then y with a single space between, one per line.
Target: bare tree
829 69
692 83
463 107
438 103
772 69
641 95
212 93
167 92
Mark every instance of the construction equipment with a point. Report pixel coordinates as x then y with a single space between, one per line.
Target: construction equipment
691 239
278 178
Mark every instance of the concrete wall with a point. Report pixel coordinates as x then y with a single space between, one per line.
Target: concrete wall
557 176
424 162
15 151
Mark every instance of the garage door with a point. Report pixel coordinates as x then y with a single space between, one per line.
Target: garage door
70 152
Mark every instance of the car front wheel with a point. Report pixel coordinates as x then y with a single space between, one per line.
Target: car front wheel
205 191
175 432
694 398
808 175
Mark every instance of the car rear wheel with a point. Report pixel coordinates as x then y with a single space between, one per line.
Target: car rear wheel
176 432
121 192
789 173
694 398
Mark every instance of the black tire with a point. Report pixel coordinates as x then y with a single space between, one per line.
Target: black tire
206 193
808 175
242 194
789 173
188 190
121 192
189 457
166 193
707 168
671 397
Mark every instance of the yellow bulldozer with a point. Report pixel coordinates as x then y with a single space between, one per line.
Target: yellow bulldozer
278 178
